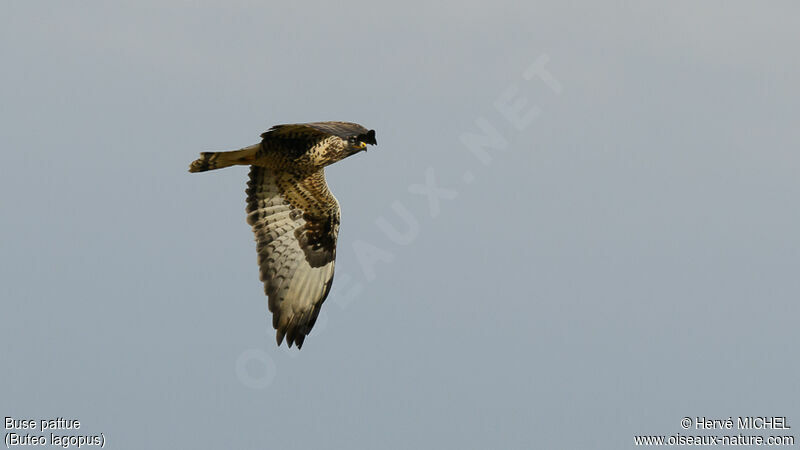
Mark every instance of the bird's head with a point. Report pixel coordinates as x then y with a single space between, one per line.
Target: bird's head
359 142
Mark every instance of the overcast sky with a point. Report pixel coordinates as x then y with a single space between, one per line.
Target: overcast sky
580 222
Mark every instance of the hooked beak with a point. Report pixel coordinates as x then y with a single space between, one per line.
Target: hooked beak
363 140
366 138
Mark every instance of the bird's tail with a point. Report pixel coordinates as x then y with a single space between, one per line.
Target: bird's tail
218 160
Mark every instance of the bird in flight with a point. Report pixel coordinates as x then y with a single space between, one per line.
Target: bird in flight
294 215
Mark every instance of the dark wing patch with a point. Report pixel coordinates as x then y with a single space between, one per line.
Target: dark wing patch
296 244
296 139
317 239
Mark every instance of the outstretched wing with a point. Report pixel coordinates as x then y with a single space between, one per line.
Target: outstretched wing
296 221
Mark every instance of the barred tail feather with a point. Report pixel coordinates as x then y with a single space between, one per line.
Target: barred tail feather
218 160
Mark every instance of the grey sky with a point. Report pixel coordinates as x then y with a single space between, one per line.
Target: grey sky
630 258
